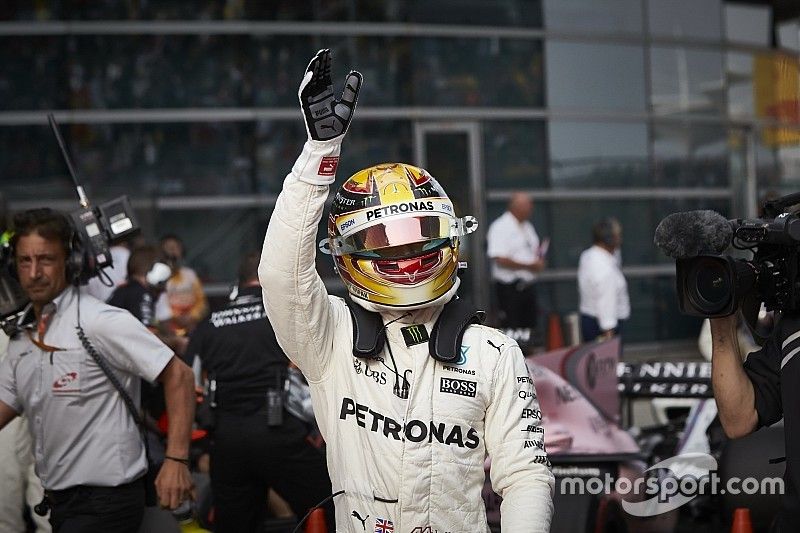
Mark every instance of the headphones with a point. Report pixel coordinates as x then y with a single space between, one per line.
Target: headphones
78 261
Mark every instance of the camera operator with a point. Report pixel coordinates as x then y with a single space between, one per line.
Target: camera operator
752 395
88 449
256 443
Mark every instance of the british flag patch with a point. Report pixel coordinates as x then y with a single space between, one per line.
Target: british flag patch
383 526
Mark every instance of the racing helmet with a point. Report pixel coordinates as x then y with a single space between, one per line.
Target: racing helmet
394 237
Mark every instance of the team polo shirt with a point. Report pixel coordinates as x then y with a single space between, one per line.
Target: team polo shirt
83 433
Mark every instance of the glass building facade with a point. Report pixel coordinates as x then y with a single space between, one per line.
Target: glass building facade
630 108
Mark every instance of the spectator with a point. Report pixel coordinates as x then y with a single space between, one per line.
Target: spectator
89 456
517 256
185 295
604 301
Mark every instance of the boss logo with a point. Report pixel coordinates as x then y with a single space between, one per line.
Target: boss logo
461 387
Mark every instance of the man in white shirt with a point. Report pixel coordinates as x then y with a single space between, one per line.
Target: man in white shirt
602 286
516 254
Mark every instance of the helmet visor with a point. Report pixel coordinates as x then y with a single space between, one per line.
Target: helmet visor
400 237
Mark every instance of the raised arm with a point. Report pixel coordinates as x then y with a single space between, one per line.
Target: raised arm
733 390
294 296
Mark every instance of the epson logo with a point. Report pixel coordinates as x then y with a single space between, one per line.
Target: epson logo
531 413
347 224
458 386
394 209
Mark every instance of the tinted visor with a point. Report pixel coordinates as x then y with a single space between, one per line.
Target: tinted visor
397 238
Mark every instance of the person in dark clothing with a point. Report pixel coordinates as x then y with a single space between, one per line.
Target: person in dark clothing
759 392
146 278
256 443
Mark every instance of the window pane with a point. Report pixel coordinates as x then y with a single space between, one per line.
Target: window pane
468 12
739 72
471 72
507 13
594 76
188 71
596 16
185 159
686 81
678 19
34 76
591 154
133 159
690 156
748 24
514 155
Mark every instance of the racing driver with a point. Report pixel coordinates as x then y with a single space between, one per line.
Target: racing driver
409 391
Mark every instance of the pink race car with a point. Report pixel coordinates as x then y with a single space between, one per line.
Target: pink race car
580 403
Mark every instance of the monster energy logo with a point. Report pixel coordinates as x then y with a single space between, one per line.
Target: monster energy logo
416 334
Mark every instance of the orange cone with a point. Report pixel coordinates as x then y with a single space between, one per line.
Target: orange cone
741 521
316 522
555 337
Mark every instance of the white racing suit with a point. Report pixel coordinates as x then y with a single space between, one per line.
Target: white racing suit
406 466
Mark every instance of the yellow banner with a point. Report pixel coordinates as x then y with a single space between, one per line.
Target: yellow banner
777 96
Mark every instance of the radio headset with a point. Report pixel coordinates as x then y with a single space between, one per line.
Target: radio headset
94 230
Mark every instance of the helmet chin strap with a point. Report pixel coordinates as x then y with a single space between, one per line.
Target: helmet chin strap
392 310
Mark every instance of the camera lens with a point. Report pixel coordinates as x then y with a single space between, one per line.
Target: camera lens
710 285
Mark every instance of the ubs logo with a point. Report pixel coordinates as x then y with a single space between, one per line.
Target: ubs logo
361 367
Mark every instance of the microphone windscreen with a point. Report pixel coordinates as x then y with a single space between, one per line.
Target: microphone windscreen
693 233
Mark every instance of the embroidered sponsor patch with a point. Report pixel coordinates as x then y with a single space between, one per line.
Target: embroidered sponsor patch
327 167
67 383
416 334
461 387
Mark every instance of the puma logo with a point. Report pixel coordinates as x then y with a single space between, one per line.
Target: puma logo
493 345
362 520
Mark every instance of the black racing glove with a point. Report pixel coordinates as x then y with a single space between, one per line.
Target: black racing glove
327 117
